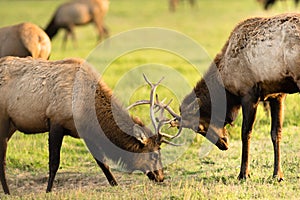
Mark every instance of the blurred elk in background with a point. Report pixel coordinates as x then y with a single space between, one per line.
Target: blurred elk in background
78 12
268 3
174 3
25 39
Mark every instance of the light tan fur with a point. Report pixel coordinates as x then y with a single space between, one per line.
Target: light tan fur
67 97
25 39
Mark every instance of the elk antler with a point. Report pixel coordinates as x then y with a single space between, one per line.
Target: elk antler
161 120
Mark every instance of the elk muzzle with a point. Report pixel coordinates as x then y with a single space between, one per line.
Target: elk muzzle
217 136
156 175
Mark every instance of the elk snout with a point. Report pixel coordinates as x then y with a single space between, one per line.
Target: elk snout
156 175
222 143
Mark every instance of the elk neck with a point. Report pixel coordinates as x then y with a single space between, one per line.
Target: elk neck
115 121
211 91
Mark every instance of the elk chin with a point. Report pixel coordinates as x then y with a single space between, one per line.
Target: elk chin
222 143
156 175
216 136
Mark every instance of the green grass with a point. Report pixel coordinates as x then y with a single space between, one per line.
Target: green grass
191 175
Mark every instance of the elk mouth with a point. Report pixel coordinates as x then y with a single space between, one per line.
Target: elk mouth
156 176
222 143
215 137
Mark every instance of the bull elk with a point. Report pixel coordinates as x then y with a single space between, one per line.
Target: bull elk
259 62
78 12
25 39
41 96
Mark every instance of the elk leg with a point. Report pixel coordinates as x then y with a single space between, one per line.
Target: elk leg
172 5
105 168
3 147
277 106
249 107
69 31
102 30
6 132
56 135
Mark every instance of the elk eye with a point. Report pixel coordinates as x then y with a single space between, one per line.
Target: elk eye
155 156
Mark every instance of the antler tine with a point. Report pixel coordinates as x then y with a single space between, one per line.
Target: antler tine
171 143
151 84
137 103
160 124
152 103
177 117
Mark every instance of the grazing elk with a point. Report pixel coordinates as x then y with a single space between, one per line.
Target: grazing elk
67 98
259 62
174 3
25 39
268 3
78 12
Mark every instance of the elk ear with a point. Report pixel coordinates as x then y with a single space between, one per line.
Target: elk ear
139 134
195 105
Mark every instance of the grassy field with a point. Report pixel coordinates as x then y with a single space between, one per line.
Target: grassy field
200 170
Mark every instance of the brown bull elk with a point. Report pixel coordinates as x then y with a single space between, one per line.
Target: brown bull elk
25 39
42 96
259 62
78 12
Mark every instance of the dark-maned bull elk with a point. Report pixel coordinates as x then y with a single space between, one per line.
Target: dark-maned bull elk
259 62
39 96
25 39
78 12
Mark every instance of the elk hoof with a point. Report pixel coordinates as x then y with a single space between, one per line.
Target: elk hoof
243 176
279 178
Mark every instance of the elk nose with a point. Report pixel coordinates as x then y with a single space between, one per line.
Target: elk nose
225 139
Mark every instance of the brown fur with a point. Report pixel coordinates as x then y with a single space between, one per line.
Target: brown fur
25 39
259 62
78 12
58 96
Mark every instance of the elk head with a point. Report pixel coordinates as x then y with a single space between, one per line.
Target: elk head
154 171
196 115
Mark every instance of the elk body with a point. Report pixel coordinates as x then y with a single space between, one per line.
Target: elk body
259 62
40 96
78 12
25 39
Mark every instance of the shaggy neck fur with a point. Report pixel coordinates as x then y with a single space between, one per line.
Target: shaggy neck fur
117 125
210 90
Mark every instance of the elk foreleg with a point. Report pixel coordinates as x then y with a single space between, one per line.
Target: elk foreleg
6 132
277 107
249 107
69 31
56 135
3 147
105 168
102 30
